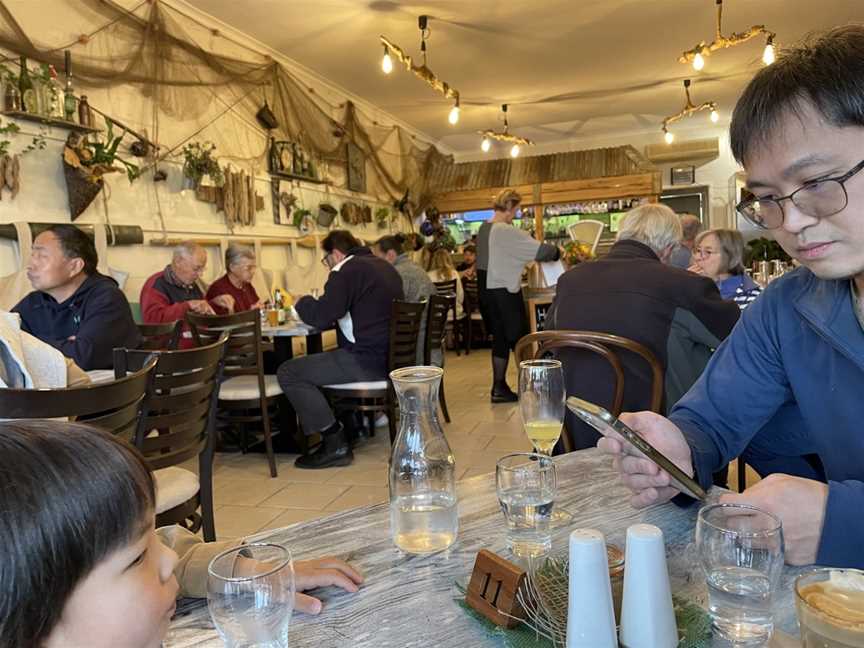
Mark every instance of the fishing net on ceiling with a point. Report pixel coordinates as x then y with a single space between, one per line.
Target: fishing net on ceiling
210 94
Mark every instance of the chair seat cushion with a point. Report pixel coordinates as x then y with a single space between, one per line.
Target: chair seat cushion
173 487
246 387
368 385
100 375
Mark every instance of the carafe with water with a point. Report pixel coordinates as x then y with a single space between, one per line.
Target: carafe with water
423 513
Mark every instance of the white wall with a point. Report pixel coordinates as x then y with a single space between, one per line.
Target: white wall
43 196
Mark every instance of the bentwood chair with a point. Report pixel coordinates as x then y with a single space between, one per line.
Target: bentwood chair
471 314
114 406
374 396
436 331
536 345
165 335
247 394
178 423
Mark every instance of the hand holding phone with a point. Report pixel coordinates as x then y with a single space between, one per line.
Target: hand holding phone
650 452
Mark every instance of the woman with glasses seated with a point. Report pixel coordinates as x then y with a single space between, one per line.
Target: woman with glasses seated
719 255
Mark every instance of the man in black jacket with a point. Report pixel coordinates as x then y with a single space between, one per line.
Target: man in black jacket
73 307
358 298
632 292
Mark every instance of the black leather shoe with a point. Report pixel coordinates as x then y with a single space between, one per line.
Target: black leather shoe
334 450
503 394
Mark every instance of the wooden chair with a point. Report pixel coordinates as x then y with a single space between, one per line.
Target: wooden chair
447 289
247 394
471 314
160 336
178 423
536 344
375 396
114 406
436 331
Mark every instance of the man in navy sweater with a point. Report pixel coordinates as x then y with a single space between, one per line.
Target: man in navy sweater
785 389
73 307
358 298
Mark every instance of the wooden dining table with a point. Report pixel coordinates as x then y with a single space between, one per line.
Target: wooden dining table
411 601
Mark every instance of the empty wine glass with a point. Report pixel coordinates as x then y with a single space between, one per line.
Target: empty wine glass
250 595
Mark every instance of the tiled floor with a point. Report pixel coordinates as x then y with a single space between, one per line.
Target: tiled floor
248 500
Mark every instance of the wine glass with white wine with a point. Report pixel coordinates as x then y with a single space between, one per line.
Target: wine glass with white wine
542 397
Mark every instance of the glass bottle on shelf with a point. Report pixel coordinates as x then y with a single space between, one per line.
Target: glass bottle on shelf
25 86
11 94
423 511
69 101
85 115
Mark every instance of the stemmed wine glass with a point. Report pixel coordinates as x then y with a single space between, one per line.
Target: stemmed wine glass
542 398
250 595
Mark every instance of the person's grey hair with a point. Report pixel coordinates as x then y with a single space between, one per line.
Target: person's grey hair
690 227
236 253
655 225
185 250
731 248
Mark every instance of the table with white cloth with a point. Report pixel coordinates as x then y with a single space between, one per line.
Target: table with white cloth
410 601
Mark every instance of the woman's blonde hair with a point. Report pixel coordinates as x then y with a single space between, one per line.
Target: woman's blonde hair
655 225
731 249
442 263
507 200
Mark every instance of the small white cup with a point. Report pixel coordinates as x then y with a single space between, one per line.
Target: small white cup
590 615
647 615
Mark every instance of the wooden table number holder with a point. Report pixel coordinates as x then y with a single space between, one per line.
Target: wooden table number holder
493 587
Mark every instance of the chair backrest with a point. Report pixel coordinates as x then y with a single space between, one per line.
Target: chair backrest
180 404
587 231
436 325
472 299
160 336
405 318
113 406
536 345
244 350
446 288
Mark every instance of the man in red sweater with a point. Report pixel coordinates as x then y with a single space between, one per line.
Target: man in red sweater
168 294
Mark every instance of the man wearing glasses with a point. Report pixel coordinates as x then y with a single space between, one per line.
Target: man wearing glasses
358 298
785 389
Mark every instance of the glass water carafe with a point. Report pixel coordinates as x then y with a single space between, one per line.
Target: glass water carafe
423 513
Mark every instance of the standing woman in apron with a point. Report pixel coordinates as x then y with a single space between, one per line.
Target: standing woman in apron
502 253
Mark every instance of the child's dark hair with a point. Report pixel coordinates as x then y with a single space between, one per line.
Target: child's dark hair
69 496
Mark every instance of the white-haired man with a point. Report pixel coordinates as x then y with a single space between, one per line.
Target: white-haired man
170 293
634 293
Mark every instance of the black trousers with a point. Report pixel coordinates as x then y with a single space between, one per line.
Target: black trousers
504 315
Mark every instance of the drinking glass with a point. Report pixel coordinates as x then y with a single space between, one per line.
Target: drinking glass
830 605
526 484
541 402
741 550
250 594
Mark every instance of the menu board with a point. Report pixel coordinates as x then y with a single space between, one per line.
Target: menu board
537 309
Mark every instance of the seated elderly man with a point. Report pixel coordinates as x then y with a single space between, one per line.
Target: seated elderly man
73 307
170 293
632 292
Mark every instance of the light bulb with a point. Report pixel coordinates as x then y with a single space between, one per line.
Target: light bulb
453 117
669 137
698 62
715 116
769 56
514 152
485 145
387 62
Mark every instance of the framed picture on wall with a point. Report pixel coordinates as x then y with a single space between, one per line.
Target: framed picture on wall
356 168
683 175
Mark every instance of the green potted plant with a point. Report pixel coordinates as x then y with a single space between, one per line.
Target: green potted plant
199 161
382 217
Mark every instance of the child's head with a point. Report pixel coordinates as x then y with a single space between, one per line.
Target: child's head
82 566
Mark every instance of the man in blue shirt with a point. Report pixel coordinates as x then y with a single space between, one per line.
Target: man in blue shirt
785 389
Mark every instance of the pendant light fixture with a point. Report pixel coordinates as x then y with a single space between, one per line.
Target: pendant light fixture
503 136
689 109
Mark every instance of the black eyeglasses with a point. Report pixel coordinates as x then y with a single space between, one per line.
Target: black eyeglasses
819 198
